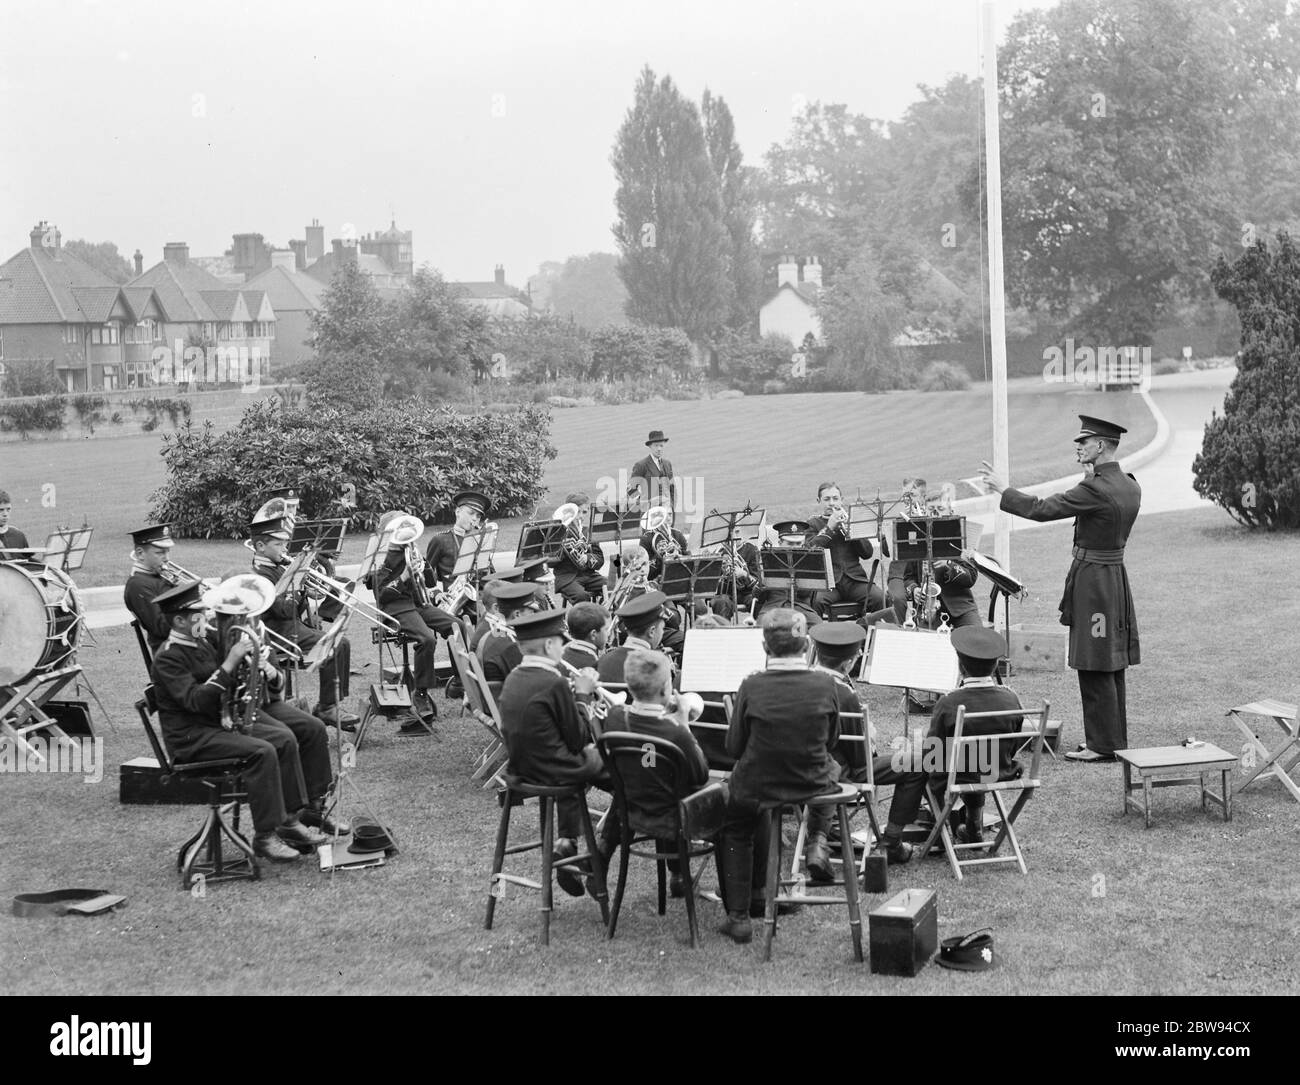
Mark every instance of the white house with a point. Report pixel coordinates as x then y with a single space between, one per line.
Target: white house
791 309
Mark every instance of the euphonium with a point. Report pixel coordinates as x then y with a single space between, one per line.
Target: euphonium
575 546
244 697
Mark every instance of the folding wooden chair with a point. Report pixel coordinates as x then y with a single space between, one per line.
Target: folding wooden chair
963 752
143 642
1282 759
481 704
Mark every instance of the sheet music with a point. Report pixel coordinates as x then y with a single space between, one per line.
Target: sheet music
915 659
718 660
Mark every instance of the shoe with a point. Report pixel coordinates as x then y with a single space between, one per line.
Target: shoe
967 834
300 836
738 928
423 704
676 887
567 877
897 852
1087 755
270 846
414 728
334 716
818 860
315 818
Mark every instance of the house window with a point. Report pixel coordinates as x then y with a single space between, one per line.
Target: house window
138 374
71 333
209 331
144 332
107 335
110 377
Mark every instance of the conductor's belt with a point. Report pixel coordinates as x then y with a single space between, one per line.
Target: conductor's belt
1099 557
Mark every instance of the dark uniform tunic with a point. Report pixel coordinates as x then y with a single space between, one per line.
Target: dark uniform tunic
284 619
978 695
852 583
547 738
955 578
423 624
1097 604
440 558
13 539
141 590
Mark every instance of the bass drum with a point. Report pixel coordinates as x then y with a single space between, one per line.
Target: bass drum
40 620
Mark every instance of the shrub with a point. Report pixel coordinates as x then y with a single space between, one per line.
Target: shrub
1249 462
944 377
31 379
409 456
44 414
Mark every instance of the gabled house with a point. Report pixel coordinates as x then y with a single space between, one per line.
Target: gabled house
498 298
791 309
294 295
57 310
203 309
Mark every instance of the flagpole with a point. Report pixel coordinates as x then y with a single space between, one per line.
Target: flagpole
997 304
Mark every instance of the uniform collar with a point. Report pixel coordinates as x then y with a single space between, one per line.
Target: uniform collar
839 675
640 708
787 664
136 567
539 663
182 639
637 642
977 683
584 646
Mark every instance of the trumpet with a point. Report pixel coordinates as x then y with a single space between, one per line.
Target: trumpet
177 574
607 699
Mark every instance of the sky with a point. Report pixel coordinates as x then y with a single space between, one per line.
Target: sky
484 126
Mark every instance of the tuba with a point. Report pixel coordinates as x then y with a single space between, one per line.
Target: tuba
576 547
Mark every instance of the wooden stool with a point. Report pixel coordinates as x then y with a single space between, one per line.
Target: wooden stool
842 799
1170 766
516 791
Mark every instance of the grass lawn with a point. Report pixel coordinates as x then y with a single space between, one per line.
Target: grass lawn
1192 905
770 450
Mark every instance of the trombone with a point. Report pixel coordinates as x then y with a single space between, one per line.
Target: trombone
337 592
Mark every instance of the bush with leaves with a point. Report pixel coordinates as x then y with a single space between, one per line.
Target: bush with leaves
43 413
395 456
541 348
31 379
638 350
1250 458
944 377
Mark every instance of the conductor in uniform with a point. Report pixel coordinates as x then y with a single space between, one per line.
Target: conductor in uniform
1097 604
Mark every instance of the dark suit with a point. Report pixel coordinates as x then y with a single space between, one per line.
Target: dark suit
284 619
853 584
423 624
1097 604
139 593
654 482
955 579
11 539
976 698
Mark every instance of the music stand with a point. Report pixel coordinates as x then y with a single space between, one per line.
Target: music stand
66 547
723 529
794 567
1005 585
322 650
474 558
323 536
910 659
541 539
687 577
612 523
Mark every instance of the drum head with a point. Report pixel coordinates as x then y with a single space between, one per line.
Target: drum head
24 623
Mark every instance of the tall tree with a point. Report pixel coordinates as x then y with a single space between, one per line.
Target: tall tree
670 229
433 331
739 211
103 257
589 291
860 320
349 334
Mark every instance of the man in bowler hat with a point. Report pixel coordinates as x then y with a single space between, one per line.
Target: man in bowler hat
653 477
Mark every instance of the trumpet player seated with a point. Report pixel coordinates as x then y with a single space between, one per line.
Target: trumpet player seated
839 647
949 592
577 572
547 732
588 625
402 594
788 534
196 691
784 725
853 583
655 710
643 618
661 540
440 556
148 579
498 651
270 539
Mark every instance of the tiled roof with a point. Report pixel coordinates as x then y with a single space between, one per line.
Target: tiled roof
289 291
96 302
803 290
180 287
225 304
489 290
40 284
138 298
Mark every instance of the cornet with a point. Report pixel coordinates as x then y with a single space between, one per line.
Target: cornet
607 699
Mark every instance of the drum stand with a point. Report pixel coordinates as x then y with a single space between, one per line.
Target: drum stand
21 713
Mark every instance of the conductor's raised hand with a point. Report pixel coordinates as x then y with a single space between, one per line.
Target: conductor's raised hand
990 477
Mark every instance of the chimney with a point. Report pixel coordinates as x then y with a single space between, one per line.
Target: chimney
245 251
138 257
500 275
45 236
315 241
812 273
177 252
285 258
787 271
299 248
337 247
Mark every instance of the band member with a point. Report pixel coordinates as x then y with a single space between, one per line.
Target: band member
789 533
635 578
978 652
664 542
497 651
954 577
853 584
149 556
440 557
191 682
784 724
655 711
643 618
399 596
589 626
270 539
739 562
839 648
547 734
11 539
531 572
652 478
577 573
1097 604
